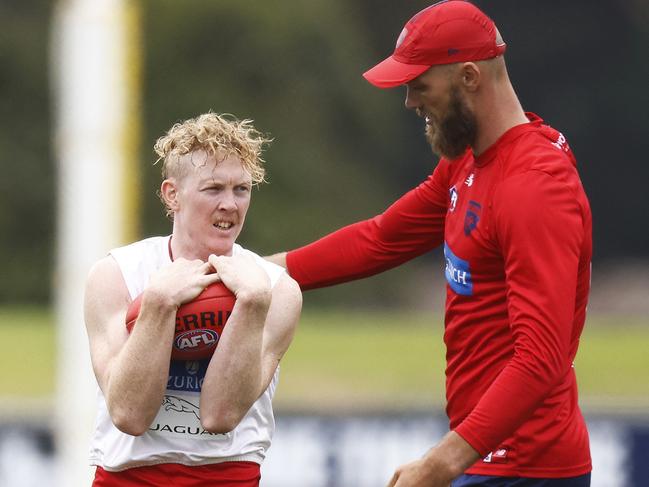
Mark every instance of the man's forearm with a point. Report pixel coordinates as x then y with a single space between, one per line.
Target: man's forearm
139 373
454 453
234 377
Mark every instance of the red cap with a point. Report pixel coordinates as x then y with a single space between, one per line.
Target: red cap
451 31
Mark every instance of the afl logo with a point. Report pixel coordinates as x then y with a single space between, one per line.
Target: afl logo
194 340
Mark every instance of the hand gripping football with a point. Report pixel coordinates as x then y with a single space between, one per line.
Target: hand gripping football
199 323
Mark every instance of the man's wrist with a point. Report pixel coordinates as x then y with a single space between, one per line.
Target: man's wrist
154 298
451 456
258 298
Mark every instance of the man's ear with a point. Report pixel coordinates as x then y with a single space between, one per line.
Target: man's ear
470 76
169 194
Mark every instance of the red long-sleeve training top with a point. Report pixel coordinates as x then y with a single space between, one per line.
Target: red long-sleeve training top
516 228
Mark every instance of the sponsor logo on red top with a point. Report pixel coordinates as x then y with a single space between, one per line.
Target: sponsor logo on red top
472 217
561 143
458 273
497 456
452 193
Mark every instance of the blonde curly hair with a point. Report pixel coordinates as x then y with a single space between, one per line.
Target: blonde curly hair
213 134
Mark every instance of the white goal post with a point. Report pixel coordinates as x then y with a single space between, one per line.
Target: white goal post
95 70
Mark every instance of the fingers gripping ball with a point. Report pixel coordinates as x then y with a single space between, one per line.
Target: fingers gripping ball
199 323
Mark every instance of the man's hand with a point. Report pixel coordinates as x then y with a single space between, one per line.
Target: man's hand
244 277
181 281
419 474
439 466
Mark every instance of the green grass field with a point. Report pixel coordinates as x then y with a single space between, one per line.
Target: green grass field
352 361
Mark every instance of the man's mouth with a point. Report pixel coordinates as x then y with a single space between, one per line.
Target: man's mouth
224 225
428 118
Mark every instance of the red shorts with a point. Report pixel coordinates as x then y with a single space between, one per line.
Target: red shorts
227 474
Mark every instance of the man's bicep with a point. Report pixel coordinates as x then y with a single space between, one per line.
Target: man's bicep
281 322
105 303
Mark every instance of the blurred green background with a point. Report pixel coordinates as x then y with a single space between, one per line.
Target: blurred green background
343 151
345 361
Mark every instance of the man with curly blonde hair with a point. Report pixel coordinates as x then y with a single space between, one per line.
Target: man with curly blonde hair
190 423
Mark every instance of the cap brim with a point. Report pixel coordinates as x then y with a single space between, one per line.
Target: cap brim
390 73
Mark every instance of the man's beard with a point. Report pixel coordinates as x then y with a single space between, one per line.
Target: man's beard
456 131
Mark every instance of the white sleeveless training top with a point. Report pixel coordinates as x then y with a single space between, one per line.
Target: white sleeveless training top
176 435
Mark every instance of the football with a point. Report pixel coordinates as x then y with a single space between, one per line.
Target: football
199 323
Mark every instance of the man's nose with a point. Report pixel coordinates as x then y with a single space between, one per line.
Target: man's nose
411 103
227 201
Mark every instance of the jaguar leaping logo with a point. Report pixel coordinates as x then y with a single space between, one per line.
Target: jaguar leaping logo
174 403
